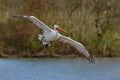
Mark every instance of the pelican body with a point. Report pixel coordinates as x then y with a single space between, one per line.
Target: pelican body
54 35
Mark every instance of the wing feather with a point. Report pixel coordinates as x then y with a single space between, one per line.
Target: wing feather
75 44
78 46
36 22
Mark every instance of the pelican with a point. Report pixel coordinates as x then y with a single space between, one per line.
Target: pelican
53 35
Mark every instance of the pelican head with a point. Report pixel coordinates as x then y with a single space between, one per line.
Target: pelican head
57 28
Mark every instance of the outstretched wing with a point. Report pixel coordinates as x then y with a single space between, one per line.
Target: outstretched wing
76 45
36 22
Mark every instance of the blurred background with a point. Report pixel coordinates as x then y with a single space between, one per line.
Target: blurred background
94 23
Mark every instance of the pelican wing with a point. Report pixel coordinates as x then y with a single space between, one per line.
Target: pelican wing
76 45
36 22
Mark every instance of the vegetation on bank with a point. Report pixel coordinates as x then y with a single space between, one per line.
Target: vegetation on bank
94 23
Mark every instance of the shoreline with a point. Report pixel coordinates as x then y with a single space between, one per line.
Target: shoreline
54 56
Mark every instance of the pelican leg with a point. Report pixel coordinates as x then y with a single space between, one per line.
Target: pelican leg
46 44
40 37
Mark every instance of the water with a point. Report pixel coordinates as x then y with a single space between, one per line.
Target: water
59 69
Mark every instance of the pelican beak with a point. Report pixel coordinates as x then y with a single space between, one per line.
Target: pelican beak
60 29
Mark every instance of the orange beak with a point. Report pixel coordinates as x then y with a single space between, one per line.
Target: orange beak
60 29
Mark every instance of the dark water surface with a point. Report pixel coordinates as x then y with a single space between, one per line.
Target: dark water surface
59 69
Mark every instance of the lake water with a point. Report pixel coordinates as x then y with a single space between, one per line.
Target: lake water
59 69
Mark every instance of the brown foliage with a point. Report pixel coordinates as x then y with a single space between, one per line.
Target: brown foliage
95 23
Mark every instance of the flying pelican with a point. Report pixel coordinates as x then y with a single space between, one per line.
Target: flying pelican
53 35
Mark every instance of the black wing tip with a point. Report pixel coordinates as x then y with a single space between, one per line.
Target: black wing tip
91 60
19 16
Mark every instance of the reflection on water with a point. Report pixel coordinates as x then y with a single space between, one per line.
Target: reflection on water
59 69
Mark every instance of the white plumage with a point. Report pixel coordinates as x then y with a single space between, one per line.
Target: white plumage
52 35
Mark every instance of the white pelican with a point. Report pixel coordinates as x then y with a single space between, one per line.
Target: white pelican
52 35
